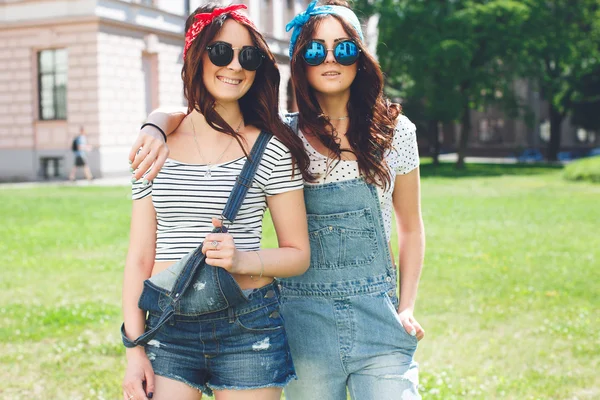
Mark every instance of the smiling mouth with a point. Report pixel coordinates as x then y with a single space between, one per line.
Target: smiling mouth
229 80
331 73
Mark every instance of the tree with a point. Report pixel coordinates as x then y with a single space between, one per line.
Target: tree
561 53
455 55
586 102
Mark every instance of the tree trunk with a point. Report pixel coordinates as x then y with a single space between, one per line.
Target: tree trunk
464 135
434 134
556 119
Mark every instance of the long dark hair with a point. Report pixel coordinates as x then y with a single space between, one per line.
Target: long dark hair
259 105
371 116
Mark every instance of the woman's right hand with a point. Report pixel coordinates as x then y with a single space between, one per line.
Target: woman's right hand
149 150
139 370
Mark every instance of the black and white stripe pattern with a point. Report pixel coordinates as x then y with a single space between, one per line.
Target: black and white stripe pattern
186 201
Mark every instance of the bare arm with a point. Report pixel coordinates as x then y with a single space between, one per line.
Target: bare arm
138 267
139 263
411 243
291 258
151 144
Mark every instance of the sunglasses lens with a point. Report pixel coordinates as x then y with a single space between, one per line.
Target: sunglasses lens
346 53
315 53
250 58
220 54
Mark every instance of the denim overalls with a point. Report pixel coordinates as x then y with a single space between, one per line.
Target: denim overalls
341 315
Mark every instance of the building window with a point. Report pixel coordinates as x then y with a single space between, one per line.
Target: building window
585 136
491 130
52 80
545 131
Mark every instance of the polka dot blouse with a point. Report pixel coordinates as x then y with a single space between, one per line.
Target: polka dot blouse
402 158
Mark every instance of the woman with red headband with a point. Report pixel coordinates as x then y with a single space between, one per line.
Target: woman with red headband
349 331
231 139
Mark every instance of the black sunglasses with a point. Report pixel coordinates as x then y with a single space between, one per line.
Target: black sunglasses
221 54
345 52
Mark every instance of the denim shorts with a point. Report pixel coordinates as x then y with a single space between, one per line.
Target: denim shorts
243 347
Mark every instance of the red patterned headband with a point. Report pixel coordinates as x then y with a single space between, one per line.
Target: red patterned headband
204 19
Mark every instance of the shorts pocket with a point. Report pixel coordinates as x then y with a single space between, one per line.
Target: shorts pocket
266 319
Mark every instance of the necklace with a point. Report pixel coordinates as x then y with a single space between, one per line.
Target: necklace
209 164
333 119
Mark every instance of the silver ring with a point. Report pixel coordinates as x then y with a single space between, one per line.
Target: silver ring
214 244
130 397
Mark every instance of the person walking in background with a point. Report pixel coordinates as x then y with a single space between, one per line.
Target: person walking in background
79 147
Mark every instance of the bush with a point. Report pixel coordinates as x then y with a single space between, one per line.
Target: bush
587 169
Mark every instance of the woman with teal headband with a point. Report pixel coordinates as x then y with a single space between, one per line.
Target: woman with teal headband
348 328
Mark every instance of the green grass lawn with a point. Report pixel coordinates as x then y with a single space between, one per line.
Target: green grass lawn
509 295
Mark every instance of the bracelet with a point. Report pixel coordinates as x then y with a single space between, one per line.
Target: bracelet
157 127
262 268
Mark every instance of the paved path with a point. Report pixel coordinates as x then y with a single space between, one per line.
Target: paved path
111 181
452 157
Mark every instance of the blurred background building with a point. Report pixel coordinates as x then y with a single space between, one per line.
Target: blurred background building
494 134
103 65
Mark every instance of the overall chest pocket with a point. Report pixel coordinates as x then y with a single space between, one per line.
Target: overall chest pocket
204 295
342 240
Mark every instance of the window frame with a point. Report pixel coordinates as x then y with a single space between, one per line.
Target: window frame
59 114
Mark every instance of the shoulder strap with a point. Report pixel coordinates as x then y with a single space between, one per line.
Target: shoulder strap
244 180
292 120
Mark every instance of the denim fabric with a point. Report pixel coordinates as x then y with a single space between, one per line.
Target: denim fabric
341 315
242 347
209 289
186 288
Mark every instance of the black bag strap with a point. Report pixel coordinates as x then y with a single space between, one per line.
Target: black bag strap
292 121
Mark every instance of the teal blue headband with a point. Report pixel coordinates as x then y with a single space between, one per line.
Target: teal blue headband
298 22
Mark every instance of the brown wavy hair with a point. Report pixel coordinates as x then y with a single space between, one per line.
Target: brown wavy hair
259 105
371 116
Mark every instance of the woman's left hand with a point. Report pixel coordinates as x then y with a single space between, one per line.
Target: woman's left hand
411 325
220 250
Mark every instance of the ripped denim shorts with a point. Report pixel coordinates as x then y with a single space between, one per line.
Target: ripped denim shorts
242 347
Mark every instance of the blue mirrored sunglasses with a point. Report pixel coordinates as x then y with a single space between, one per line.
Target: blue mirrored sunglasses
345 52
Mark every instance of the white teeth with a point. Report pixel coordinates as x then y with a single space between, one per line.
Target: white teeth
230 81
331 73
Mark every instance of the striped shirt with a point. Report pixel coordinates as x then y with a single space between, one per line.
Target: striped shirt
186 200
